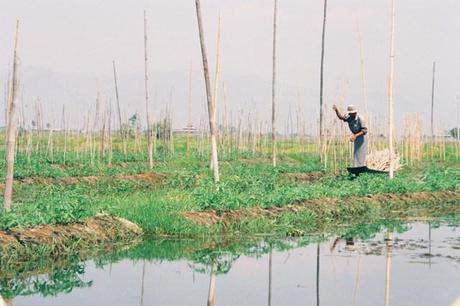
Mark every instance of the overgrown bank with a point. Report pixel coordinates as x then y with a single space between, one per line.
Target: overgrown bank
49 277
54 241
318 214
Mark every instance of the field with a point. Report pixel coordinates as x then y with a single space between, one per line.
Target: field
67 180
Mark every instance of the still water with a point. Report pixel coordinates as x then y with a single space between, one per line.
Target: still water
410 264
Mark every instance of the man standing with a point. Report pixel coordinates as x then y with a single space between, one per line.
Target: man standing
358 128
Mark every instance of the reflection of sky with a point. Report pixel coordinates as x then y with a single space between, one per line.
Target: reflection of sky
413 282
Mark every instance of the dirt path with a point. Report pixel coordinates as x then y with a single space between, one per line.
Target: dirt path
144 177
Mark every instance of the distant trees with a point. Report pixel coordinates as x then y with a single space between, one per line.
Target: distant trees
455 132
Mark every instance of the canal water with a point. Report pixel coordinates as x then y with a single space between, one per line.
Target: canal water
408 264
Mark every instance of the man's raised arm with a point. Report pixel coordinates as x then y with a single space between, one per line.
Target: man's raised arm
337 112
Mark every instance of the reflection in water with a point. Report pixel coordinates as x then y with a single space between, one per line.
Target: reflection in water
142 283
241 267
429 243
317 273
4 302
388 243
270 261
212 285
358 275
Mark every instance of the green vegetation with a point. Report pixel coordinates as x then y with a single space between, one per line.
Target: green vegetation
63 191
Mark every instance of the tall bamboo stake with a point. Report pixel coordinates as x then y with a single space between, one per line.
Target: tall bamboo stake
11 130
211 112
432 107
458 127
120 121
364 87
275 13
189 118
321 82
390 90
217 73
432 98
146 83
110 134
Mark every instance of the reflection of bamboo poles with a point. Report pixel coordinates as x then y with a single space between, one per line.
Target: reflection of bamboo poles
317 273
142 284
388 239
358 275
270 257
429 244
212 285
5 302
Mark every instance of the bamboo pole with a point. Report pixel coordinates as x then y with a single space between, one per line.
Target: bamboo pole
120 121
458 127
432 107
364 88
211 106
11 131
189 117
226 129
110 134
146 83
275 13
321 109
217 72
390 90
432 98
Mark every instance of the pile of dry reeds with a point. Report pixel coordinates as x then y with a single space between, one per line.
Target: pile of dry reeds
380 160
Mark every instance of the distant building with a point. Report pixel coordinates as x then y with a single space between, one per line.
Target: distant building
189 129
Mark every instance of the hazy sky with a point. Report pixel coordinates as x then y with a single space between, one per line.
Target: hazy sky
67 47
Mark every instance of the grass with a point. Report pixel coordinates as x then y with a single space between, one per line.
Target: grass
188 186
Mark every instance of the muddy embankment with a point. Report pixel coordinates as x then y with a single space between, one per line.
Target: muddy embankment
18 246
391 204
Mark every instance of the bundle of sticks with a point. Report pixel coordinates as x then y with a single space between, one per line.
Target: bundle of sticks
380 160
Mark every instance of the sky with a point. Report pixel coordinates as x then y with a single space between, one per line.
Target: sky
67 47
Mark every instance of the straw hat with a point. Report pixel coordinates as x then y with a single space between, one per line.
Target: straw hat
351 109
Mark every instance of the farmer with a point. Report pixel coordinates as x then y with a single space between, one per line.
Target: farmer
358 128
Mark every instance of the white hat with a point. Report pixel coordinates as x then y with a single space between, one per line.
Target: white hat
351 109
